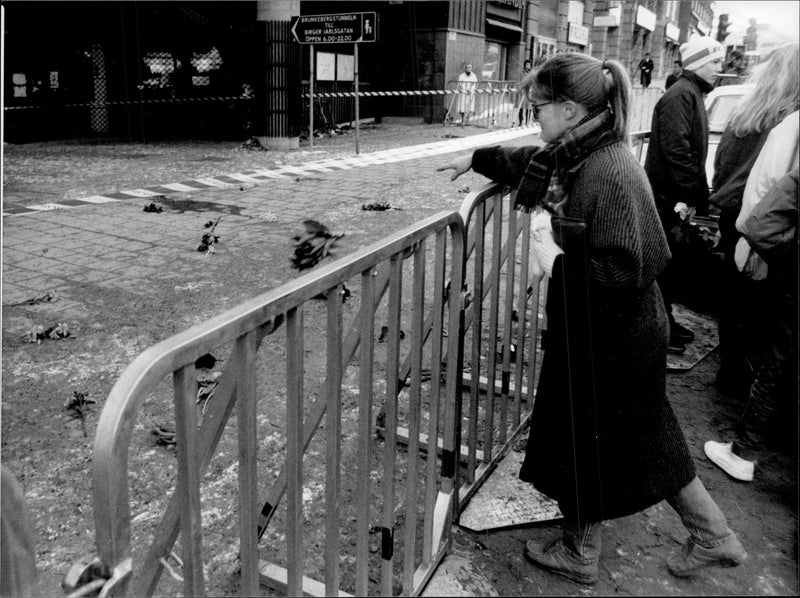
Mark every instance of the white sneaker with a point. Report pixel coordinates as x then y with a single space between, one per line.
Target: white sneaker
722 455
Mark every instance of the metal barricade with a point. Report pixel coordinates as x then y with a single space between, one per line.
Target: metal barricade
502 318
362 503
643 101
496 104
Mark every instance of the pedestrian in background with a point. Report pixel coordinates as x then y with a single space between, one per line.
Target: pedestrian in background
645 70
604 441
771 230
677 69
675 162
774 95
523 104
467 82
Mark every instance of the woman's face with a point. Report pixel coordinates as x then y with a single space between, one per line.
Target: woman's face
552 118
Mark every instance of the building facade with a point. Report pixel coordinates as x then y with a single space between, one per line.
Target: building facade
143 70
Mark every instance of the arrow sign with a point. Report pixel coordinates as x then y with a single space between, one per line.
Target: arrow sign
344 28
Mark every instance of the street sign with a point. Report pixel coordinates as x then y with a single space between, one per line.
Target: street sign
345 28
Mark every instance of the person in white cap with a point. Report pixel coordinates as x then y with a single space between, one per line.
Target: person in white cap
676 158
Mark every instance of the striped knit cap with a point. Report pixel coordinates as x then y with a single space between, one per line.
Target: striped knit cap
700 50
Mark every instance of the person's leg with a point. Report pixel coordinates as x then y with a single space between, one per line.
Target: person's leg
575 555
774 381
711 542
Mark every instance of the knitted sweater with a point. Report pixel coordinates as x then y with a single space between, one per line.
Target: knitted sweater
611 193
604 441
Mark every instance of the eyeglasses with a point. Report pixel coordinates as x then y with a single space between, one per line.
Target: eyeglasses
536 108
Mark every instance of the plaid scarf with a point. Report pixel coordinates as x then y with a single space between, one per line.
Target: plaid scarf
550 171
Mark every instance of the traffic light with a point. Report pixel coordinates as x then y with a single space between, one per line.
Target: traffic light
722 28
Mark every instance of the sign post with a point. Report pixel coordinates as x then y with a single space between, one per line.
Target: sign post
355 84
311 99
344 28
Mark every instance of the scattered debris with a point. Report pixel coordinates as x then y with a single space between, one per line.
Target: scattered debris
324 296
377 207
313 246
78 406
464 190
209 238
206 361
207 385
385 332
38 333
152 207
254 143
48 297
165 436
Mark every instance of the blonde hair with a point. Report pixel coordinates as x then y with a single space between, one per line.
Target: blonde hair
776 93
585 80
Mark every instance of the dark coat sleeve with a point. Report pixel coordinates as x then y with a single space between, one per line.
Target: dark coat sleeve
504 165
683 166
771 228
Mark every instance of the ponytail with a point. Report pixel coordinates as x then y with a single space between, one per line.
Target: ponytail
587 81
618 92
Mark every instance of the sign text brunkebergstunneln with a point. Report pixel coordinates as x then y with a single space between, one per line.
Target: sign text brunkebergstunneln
342 28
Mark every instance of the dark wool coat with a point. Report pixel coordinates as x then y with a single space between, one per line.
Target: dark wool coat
604 441
676 154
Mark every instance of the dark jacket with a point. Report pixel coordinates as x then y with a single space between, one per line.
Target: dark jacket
671 79
604 441
732 165
676 155
771 229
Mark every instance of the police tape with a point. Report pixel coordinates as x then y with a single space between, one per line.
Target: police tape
436 92
321 95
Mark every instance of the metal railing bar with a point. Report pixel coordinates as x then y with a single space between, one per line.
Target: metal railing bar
534 334
415 352
484 470
505 372
246 399
294 451
333 429
522 320
491 373
139 379
276 578
393 388
475 360
318 407
365 375
211 430
435 389
185 389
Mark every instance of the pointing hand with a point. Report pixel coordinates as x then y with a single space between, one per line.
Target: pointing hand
458 165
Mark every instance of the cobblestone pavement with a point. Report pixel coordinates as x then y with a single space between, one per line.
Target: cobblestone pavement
118 270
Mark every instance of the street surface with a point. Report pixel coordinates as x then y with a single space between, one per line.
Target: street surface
126 279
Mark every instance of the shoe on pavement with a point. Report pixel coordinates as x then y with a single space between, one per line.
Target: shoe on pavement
693 557
558 559
722 455
680 333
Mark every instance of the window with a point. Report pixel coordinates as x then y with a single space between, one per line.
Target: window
494 62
